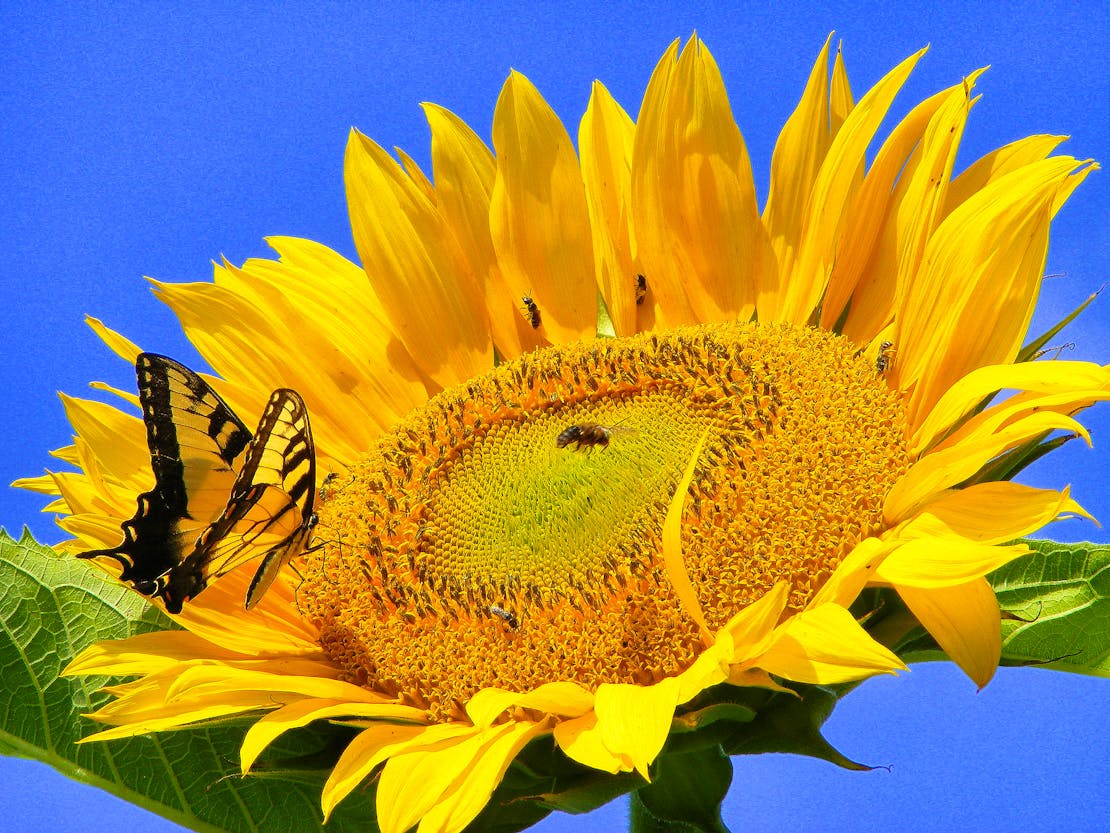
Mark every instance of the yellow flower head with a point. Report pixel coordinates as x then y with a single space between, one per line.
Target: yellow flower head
594 433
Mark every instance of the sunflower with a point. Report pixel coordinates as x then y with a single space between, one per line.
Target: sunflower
599 434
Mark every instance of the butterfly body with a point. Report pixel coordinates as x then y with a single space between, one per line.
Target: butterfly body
221 496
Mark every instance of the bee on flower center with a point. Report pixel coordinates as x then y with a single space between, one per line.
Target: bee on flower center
507 616
531 311
587 435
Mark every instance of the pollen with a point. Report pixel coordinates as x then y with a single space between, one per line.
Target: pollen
478 546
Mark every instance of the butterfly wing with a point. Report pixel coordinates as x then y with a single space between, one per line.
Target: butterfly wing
270 508
196 442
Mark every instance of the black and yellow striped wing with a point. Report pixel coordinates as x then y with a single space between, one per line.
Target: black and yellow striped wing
221 497
197 446
270 510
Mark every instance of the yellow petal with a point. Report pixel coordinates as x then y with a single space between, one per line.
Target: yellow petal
801 148
418 177
992 513
634 720
565 699
944 562
605 139
865 271
581 741
799 152
758 678
465 171
841 101
142 704
244 334
301 677
649 190
145 653
1037 377
672 547
955 320
997 163
273 725
476 783
119 344
1071 183
854 572
965 621
118 442
710 668
928 183
538 217
165 718
752 629
273 627
825 645
415 779
1022 414
43 484
333 305
92 532
699 237
130 398
415 267
374 745
832 194
942 469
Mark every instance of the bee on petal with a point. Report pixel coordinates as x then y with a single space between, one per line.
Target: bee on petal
531 311
885 357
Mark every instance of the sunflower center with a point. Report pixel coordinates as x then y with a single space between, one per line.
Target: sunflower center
508 533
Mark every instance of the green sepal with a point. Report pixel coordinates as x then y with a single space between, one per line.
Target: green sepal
792 723
1029 351
712 717
719 703
685 793
1008 465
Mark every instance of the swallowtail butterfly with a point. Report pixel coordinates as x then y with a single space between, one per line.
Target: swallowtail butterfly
221 497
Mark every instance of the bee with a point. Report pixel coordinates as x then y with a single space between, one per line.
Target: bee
885 357
588 435
641 289
531 311
329 488
507 616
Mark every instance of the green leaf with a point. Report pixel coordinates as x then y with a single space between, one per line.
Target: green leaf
52 607
1057 601
685 793
793 724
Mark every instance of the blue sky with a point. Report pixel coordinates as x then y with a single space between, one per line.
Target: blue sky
145 140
